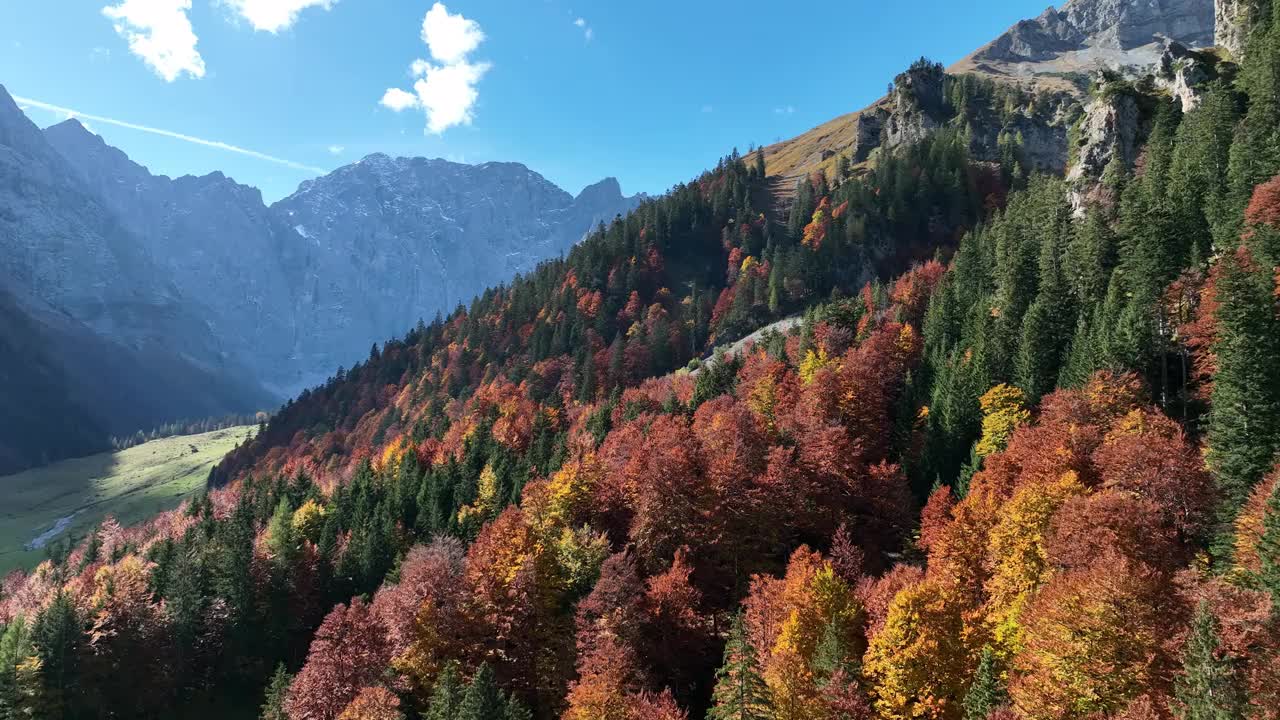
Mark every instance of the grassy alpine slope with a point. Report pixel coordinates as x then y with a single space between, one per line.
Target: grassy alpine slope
75 495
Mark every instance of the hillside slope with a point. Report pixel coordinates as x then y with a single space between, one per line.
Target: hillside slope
1055 52
1018 460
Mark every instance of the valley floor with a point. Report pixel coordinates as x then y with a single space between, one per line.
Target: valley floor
69 498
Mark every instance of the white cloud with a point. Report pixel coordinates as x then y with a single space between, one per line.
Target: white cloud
450 38
787 110
446 91
99 55
587 31
398 99
336 149
159 32
274 15
82 117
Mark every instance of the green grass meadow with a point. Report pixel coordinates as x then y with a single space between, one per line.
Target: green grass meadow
131 484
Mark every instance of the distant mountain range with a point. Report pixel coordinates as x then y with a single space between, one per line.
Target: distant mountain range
159 298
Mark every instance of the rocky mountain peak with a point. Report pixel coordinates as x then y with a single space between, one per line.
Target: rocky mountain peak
1085 35
607 190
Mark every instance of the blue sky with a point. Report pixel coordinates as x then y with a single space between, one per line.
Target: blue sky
648 91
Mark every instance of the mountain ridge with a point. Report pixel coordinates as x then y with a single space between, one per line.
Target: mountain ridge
285 285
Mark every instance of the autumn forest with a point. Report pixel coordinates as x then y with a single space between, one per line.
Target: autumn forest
998 448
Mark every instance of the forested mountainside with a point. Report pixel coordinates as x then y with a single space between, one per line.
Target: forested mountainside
1016 461
169 299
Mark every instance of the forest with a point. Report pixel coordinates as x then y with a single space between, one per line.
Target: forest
1016 459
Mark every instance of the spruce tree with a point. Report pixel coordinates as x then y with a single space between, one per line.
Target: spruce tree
277 693
516 710
1269 549
1245 415
1210 687
446 697
57 636
483 700
987 691
831 655
740 692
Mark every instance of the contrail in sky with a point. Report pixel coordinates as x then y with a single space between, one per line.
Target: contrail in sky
170 134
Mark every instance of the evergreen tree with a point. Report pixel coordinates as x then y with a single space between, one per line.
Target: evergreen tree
987 691
1269 549
1210 687
280 535
740 692
516 710
483 700
21 687
57 636
831 654
446 697
1244 419
277 692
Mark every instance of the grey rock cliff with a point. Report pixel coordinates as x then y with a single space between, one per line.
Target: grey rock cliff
1232 20
133 349
1108 133
1087 35
294 290
385 242
1184 74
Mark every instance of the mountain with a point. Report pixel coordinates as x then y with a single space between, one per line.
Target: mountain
214 238
1057 52
1016 456
386 242
298 289
92 314
1087 34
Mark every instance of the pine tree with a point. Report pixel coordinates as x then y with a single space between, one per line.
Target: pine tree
446 698
1269 549
483 700
987 691
516 710
277 692
740 692
1245 415
831 655
21 689
280 535
1210 687
57 635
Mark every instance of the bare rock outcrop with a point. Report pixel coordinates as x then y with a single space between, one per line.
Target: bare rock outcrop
1108 132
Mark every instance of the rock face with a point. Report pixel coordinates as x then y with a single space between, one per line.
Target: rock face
1087 35
234 262
385 242
89 314
1183 73
1053 53
1231 25
917 105
294 290
1108 132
